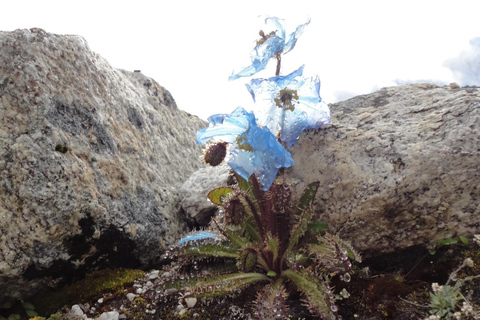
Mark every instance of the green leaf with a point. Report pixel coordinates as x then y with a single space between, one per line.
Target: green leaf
464 240
271 274
273 245
245 186
218 195
304 214
447 241
250 228
271 302
211 250
317 226
224 284
28 305
314 290
31 313
233 236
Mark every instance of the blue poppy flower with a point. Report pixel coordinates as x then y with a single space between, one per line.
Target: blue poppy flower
269 45
198 235
289 104
251 148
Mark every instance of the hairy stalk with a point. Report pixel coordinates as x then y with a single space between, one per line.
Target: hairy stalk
255 216
258 194
278 56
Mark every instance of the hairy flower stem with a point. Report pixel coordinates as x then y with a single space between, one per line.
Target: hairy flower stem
278 56
258 194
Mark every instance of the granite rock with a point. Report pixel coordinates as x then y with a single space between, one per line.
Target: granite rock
91 162
197 208
398 167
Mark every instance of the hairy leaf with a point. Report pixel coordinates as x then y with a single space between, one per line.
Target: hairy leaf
231 233
318 296
273 245
332 253
304 214
223 284
250 228
211 250
317 226
271 302
245 186
351 253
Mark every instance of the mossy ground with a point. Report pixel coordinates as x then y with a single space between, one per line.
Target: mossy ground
94 286
397 286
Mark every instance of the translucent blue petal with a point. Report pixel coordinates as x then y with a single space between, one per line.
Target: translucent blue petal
197 236
259 152
279 24
293 37
225 127
268 155
261 54
310 112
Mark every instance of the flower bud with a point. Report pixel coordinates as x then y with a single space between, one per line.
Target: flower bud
215 154
233 210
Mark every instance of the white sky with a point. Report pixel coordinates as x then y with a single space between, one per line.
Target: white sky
191 47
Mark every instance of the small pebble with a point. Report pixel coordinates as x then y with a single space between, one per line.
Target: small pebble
191 302
139 291
180 308
153 275
100 300
112 315
131 296
76 310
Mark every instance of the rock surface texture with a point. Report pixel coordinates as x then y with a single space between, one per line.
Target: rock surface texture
195 205
91 162
398 167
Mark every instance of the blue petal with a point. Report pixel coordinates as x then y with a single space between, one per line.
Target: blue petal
197 236
225 127
293 37
261 54
260 151
310 112
268 156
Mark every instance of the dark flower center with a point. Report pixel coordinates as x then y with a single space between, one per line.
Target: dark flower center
215 154
286 99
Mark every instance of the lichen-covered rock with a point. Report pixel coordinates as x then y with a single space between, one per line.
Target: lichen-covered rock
91 162
398 167
195 204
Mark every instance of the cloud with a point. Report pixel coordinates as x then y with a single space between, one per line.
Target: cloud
466 66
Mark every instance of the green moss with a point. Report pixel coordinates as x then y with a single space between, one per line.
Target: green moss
92 287
61 148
